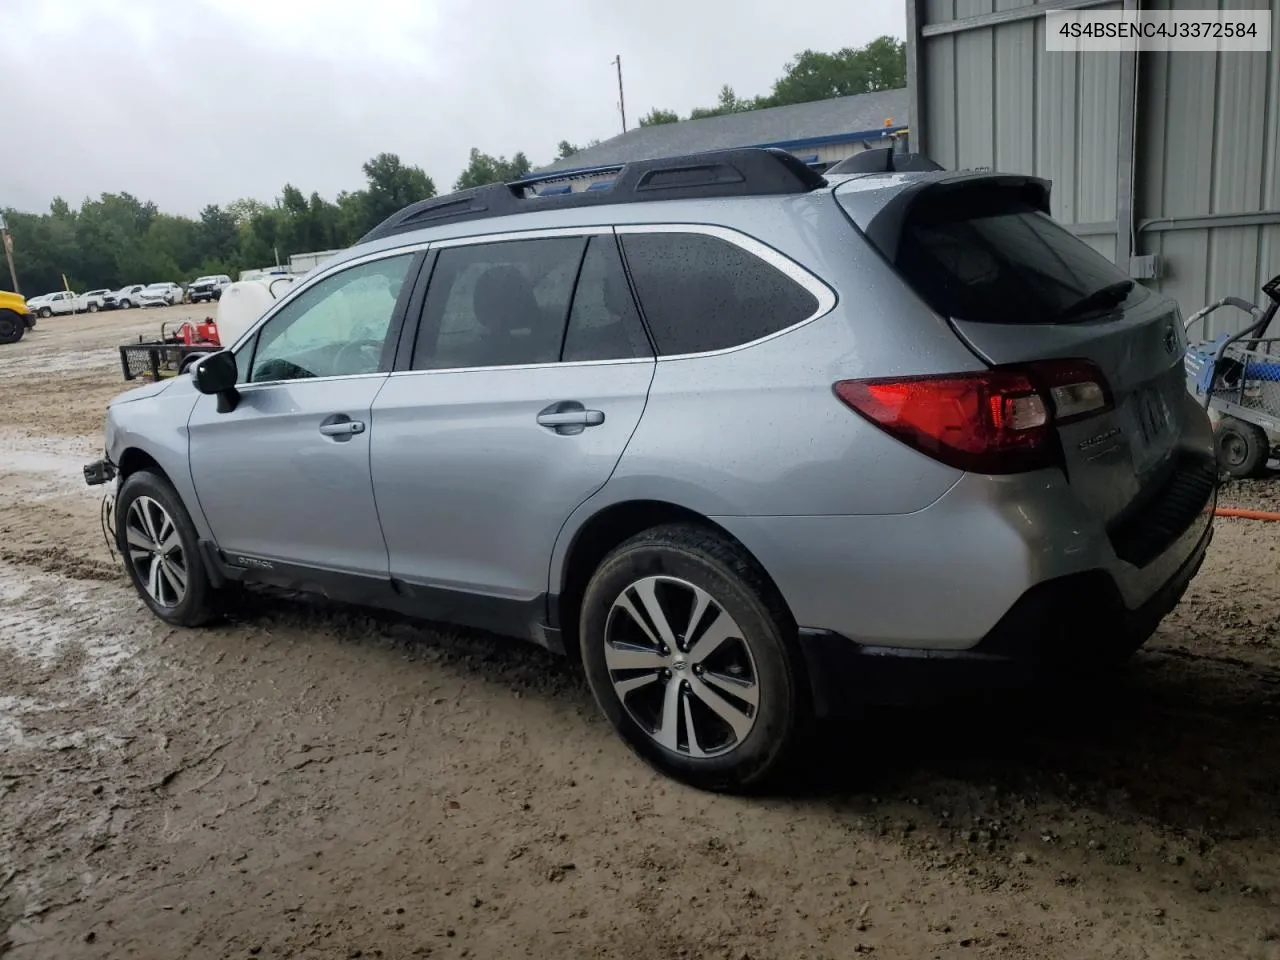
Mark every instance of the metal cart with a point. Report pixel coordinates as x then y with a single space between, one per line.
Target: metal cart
1237 376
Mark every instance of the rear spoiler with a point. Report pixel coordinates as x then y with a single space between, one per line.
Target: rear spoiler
885 228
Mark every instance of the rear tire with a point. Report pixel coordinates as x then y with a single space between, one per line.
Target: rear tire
719 709
12 326
93 308
1242 448
161 551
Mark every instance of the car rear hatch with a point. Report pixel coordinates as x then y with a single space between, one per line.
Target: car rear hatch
1018 288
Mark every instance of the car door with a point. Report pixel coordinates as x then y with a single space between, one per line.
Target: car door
283 479
528 374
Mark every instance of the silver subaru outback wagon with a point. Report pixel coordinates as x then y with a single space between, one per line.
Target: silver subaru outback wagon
719 427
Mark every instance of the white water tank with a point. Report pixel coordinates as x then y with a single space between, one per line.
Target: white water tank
245 301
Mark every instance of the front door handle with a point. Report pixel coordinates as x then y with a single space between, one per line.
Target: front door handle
569 417
341 427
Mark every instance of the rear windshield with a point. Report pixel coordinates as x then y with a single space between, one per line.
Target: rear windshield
988 255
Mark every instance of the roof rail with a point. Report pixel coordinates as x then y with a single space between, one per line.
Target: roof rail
748 172
883 160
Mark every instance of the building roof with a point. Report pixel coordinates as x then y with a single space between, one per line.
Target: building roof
791 127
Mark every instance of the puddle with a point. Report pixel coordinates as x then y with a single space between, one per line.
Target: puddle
46 468
50 620
57 362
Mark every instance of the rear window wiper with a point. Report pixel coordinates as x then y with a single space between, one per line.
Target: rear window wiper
1109 296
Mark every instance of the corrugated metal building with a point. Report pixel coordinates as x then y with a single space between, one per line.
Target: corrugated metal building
820 133
1172 154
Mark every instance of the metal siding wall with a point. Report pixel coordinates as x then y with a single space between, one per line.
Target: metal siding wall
1015 110
994 98
975 78
1097 136
1209 145
1105 244
1208 137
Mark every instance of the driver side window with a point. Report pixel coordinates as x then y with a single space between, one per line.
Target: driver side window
337 328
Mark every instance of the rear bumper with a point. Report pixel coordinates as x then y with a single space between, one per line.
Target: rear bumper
1070 621
944 577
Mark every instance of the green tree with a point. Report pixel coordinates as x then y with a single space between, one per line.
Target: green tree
482 168
393 186
728 102
657 116
44 248
352 219
241 211
565 149
217 237
880 65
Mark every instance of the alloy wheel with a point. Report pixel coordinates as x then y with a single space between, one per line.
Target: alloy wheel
681 667
155 551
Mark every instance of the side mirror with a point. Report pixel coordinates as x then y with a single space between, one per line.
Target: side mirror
216 374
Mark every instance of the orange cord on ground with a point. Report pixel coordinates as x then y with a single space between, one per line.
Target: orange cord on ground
1245 514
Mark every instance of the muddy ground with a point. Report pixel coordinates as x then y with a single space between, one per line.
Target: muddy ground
314 782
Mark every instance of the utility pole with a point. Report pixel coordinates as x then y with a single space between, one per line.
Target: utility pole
622 103
8 252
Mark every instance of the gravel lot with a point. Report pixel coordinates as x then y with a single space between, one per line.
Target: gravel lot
308 781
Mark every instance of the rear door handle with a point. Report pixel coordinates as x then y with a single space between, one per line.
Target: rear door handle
569 417
572 418
341 427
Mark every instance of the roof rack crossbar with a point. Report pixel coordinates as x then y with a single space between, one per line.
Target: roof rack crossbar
747 172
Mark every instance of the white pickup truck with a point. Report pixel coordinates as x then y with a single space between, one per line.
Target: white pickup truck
49 304
91 301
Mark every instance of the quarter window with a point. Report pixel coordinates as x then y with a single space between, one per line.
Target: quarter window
336 328
701 293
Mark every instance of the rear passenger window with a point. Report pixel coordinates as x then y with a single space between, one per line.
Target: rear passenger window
604 324
702 293
498 304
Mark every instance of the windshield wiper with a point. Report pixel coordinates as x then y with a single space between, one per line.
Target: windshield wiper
1109 296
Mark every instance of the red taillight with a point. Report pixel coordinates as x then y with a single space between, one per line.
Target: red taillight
994 421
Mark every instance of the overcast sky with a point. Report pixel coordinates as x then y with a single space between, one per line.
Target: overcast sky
188 102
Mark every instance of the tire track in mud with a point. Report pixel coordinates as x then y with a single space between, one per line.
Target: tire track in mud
63 561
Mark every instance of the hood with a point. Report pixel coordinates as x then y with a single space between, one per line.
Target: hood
12 301
142 392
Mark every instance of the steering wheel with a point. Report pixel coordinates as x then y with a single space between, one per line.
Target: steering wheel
358 356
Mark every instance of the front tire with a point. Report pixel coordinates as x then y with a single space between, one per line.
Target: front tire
12 326
45 313
93 308
691 656
125 304
161 551
1242 448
